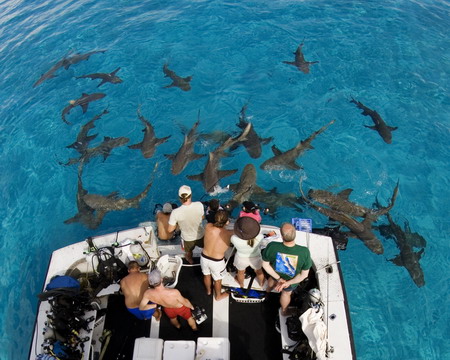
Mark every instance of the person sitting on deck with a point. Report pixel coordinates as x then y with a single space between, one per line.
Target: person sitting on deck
173 303
162 220
251 210
246 241
212 261
188 217
287 264
133 287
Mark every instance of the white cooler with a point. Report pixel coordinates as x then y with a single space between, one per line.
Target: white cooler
148 349
179 350
213 348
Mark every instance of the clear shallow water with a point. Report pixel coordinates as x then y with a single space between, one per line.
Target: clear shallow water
391 55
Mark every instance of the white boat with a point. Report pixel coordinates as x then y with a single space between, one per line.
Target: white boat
237 328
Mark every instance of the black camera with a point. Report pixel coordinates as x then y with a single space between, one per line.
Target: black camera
199 314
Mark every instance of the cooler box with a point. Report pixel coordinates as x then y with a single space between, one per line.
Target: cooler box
213 348
148 349
179 350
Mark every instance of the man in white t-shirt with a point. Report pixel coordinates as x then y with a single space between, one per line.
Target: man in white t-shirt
189 218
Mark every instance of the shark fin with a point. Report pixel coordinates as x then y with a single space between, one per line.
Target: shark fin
265 141
392 128
371 127
276 151
224 173
198 177
115 71
344 194
162 140
84 107
397 261
419 254
194 156
170 156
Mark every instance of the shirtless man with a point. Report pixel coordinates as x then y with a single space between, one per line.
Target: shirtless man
212 261
162 220
173 303
133 287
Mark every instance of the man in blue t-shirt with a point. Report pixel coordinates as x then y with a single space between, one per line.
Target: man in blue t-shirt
287 264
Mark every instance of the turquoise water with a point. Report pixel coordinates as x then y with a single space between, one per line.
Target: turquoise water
393 56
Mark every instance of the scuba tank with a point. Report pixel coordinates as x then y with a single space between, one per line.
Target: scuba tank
139 253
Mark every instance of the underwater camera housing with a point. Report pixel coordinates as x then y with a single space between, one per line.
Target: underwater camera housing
199 314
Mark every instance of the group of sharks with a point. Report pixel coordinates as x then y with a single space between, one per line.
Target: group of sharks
93 207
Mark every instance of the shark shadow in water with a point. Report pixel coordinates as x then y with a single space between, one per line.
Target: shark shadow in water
150 142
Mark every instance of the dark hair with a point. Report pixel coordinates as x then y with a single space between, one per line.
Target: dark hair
221 218
133 265
249 207
214 204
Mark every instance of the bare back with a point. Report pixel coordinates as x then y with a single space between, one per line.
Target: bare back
162 221
133 287
169 298
216 241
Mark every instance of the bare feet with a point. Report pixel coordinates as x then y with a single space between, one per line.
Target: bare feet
221 296
157 314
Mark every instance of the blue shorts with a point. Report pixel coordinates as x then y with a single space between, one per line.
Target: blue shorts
142 314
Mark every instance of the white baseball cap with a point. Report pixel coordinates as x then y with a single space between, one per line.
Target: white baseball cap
184 190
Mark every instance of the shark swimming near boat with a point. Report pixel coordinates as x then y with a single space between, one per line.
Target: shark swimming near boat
339 202
103 149
150 142
300 63
177 81
83 139
246 186
83 101
105 77
272 200
211 175
85 215
286 160
359 229
253 142
407 258
76 58
113 202
186 152
383 129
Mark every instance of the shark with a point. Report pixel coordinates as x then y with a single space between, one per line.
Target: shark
286 160
246 186
76 58
83 139
339 202
407 258
383 129
359 229
186 152
300 63
83 101
253 142
150 142
273 200
177 81
105 77
103 149
85 215
113 202
50 73
211 175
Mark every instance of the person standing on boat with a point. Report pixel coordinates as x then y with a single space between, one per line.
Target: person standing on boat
133 287
162 221
173 303
246 241
212 260
287 264
188 217
213 207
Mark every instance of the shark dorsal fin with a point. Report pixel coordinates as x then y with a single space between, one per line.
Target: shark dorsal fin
276 151
344 194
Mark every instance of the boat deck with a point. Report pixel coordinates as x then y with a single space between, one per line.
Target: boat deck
250 327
